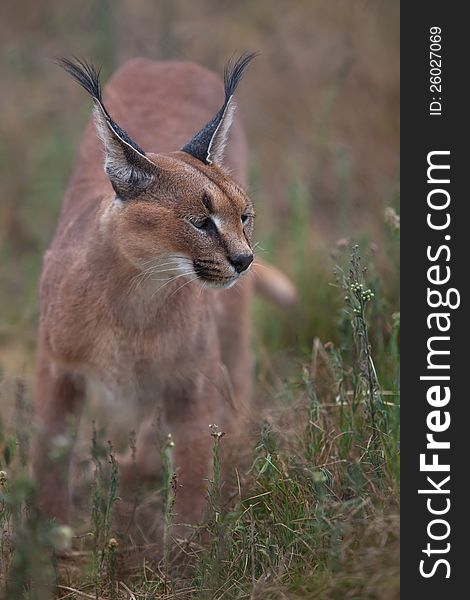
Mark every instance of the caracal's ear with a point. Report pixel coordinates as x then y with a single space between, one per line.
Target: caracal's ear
208 144
126 165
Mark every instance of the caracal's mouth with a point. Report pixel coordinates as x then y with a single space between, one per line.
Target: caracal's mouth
217 281
214 275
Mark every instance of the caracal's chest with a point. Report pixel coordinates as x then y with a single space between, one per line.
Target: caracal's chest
122 369
143 366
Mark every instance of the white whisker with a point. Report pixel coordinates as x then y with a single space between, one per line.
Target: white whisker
169 267
159 289
182 286
264 266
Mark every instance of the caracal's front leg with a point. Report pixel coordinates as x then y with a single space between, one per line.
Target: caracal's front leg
188 417
58 402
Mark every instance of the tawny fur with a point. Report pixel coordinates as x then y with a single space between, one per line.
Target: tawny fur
178 351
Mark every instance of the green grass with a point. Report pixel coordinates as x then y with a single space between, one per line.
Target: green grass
310 511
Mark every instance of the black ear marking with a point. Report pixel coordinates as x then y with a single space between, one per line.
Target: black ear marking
126 164
209 143
88 76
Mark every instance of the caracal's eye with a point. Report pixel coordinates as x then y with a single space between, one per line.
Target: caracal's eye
245 218
204 223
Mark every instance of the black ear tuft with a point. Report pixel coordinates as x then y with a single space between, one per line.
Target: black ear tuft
210 140
127 166
86 74
234 70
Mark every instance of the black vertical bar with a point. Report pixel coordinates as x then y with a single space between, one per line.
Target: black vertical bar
424 131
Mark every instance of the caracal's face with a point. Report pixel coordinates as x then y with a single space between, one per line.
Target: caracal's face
193 222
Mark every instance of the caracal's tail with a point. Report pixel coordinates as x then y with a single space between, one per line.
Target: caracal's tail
273 285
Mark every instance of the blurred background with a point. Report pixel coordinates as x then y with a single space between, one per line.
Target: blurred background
321 109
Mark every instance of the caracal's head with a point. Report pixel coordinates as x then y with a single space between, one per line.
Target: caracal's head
178 214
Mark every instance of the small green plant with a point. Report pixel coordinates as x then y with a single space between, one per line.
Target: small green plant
358 295
214 490
211 564
168 496
112 555
5 526
105 495
31 568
